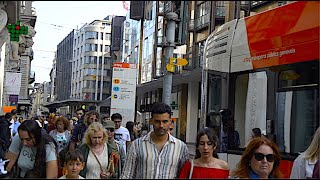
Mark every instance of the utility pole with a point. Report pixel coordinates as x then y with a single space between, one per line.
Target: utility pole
171 18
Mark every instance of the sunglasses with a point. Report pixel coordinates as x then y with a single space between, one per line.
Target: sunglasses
110 129
260 157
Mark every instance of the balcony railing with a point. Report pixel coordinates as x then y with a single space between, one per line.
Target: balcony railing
202 21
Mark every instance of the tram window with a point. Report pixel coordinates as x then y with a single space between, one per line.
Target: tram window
297 119
298 75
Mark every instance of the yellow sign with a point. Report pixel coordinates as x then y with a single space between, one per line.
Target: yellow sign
178 61
170 68
116 81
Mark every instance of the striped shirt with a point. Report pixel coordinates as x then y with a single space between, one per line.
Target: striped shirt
144 161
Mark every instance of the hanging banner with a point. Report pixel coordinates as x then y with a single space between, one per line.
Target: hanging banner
123 92
12 83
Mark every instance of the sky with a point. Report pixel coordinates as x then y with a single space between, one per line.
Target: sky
56 19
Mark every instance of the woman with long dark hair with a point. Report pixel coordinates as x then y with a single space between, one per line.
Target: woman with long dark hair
34 151
206 163
132 130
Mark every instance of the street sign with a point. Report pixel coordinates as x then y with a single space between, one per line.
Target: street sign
170 68
178 61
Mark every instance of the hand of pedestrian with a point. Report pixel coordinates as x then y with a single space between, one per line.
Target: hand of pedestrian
105 175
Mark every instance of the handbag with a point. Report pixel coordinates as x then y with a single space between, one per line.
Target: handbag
191 170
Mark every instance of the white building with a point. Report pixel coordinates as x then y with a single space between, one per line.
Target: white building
91 63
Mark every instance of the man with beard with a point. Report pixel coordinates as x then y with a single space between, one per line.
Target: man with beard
157 155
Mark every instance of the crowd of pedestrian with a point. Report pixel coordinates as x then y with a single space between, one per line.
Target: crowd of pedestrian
87 147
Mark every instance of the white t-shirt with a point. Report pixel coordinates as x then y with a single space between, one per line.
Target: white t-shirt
65 177
122 135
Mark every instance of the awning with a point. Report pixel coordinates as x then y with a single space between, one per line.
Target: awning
69 102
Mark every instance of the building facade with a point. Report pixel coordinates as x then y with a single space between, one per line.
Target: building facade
91 64
64 56
16 56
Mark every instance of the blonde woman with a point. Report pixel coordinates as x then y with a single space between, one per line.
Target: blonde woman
98 155
304 164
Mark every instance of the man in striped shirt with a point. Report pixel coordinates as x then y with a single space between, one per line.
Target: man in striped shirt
158 155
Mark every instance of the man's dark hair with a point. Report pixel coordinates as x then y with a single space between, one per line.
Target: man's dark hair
116 116
81 109
14 112
8 115
160 108
257 132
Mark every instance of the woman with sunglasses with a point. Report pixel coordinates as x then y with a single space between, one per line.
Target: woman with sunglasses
206 164
116 146
260 160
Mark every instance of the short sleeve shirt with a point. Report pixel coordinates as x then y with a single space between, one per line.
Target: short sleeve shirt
122 135
26 158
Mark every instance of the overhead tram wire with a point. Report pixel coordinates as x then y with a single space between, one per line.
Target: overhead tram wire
40 67
59 26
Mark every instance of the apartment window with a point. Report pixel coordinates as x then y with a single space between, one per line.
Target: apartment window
106 84
204 8
106 48
108 36
91 35
90 60
105 96
100 59
220 9
101 47
91 47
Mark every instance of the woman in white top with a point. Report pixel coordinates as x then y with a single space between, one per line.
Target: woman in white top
304 164
96 152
